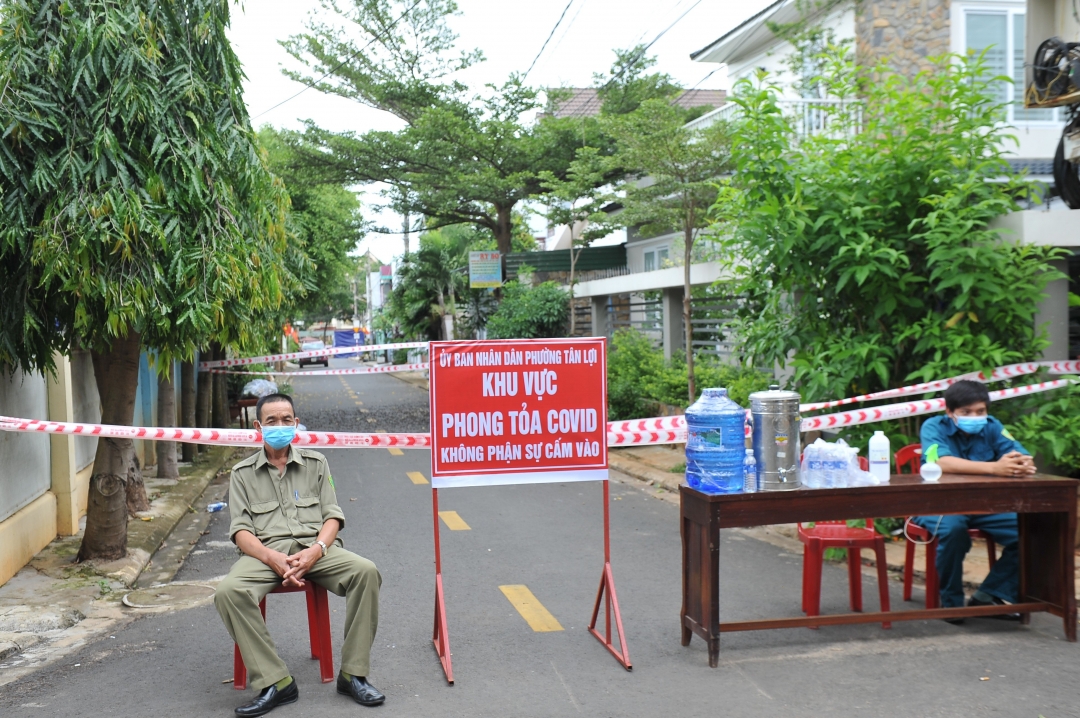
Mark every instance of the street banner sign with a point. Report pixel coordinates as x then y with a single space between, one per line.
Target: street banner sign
518 411
485 270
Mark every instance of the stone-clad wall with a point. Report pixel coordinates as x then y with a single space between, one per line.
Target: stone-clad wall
903 33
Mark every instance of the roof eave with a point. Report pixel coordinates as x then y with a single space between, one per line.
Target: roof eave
746 25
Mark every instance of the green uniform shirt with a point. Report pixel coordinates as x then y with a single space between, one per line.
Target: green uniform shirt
281 509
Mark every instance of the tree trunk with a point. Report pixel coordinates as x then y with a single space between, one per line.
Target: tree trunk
447 321
504 229
116 373
573 263
688 238
187 406
220 402
166 418
202 400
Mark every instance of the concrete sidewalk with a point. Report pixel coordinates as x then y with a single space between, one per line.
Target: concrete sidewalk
54 605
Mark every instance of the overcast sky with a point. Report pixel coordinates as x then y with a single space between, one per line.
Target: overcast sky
508 33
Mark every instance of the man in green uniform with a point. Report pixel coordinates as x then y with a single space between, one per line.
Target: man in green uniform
285 521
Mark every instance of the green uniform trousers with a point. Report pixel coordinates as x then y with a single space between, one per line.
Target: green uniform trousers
341 572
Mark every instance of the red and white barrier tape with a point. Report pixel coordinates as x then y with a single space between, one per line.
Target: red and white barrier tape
327 372
250 437
638 432
914 408
646 438
1000 373
660 423
329 351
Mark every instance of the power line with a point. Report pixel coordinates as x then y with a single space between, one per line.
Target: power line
550 35
569 25
635 58
695 85
341 64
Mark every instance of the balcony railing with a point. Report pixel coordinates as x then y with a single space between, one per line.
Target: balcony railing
806 116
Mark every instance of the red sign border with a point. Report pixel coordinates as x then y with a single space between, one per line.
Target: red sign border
601 422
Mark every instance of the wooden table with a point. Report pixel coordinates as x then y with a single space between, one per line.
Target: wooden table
1047 516
242 406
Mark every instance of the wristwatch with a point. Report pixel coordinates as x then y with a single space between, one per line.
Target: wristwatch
323 547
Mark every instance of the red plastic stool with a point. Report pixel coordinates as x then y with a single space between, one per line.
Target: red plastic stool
318 614
908 457
837 534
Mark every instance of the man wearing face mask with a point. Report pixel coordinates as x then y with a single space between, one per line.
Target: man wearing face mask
285 523
970 441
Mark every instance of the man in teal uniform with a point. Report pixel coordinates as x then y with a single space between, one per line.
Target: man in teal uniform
970 441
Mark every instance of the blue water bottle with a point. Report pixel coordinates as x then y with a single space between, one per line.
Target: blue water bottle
715 444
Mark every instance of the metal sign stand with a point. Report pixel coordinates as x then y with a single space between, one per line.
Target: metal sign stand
440 636
611 601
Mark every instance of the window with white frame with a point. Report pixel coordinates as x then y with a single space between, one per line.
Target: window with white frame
655 258
1000 32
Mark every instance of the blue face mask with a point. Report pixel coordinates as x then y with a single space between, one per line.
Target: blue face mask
278 437
971 424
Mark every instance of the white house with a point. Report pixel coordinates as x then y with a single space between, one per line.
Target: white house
905 33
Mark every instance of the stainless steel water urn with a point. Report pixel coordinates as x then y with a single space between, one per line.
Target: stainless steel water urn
776 438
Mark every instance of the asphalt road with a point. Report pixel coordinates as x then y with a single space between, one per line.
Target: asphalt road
548 538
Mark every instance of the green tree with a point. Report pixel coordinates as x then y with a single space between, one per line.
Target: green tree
864 254
326 223
673 171
137 210
628 83
429 281
528 312
577 202
461 157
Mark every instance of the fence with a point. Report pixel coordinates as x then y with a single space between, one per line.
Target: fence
641 312
710 318
805 116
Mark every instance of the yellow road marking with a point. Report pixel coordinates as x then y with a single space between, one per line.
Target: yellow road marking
394 451
534 613
453 521
416 477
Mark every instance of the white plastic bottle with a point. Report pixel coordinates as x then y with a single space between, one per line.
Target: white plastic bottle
878 452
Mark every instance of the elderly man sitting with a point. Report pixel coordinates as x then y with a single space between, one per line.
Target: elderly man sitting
285 522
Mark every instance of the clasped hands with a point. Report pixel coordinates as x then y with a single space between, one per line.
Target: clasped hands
1015 464
293 568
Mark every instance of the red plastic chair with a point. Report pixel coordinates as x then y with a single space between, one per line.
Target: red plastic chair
837 534
908 457
318 612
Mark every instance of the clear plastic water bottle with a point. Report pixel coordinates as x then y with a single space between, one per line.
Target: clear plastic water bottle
215 507
715 444
815 464
830 465
750 477
840 461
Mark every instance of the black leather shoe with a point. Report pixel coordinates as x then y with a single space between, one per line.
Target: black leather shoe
996 602
360 690
269 699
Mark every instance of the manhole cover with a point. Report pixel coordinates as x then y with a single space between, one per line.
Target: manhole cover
172 594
